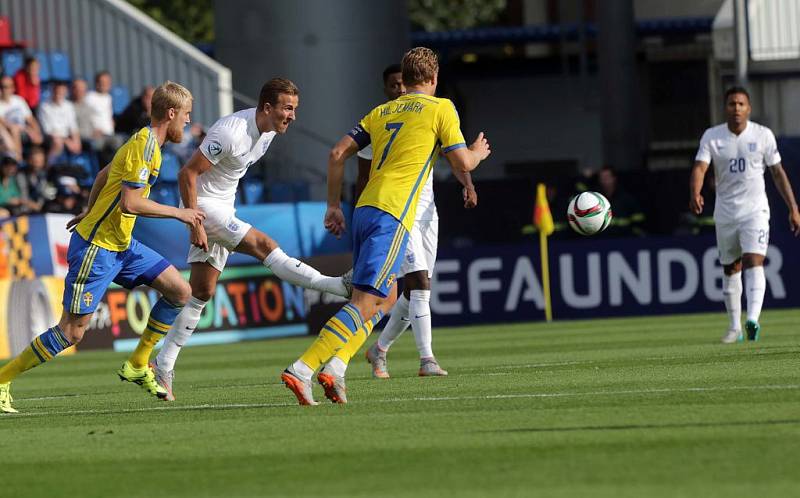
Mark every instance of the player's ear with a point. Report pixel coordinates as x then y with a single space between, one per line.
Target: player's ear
267 108
171 112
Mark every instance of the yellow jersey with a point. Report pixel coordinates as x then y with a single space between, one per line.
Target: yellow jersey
136 164
406 135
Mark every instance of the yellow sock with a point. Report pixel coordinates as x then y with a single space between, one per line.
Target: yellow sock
141 355
44 347
335 334
354 344
26 360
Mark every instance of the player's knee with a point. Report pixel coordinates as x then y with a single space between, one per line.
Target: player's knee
72 331
203 293
182 294
732 268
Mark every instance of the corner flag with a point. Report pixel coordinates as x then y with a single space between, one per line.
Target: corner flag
542 217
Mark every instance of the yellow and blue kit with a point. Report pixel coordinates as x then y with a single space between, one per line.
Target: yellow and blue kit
406 136
102 249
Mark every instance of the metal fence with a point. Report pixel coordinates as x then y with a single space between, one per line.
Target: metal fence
113 35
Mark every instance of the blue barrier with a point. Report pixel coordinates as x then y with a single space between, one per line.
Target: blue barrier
598 278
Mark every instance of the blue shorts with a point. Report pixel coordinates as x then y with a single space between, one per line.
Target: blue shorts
378 241
92 269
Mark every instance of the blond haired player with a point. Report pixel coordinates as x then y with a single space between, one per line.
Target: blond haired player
102 250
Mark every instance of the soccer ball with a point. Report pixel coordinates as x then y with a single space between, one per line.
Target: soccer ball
589 213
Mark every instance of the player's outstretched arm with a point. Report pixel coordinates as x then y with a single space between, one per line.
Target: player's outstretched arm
334 218
466 159
785 188
696 185
132 202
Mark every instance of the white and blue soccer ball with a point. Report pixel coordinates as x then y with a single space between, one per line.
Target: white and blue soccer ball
589 213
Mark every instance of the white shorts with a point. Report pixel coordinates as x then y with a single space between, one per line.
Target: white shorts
749 236
224 230
421 249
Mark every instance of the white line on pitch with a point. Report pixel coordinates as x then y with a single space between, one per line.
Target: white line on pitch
422 398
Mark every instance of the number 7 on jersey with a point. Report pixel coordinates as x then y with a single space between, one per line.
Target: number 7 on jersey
395 129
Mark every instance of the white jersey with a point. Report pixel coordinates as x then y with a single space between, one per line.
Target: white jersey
426 207
232 144
15 111
739 163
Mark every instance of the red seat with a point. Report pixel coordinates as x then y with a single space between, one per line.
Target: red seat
6 41
5 31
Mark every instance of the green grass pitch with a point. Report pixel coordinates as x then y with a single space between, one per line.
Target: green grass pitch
643 407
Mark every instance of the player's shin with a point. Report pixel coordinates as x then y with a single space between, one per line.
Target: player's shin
180 332
397 324
162 317
732 294
335 334
756 288
44 348
419 313
342 357
296 272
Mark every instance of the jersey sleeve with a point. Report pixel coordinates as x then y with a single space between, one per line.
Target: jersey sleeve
366 153
138 162
771 154
704 151
449 128
361 132
217 144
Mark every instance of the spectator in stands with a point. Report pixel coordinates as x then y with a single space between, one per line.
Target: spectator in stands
12 197
628 214
60 123
68 197
83 113
99 101
137 115
34 178
29 86
16 117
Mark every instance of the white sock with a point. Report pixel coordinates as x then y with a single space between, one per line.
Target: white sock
301 369
336 366
732 295
296 272
419 312
397 324
756 287
179 333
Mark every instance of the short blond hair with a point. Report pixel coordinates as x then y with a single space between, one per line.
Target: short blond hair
169 95
419 65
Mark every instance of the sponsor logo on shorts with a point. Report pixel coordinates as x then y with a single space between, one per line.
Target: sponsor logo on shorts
233 226
88 298
390 280
410 257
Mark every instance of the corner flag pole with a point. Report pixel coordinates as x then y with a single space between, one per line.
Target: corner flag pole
543 220
548 306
